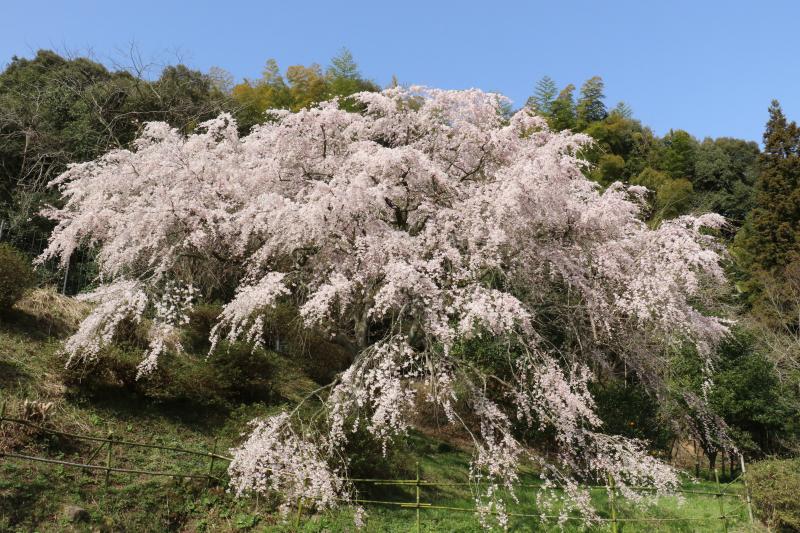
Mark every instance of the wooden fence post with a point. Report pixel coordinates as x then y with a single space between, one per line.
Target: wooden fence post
211 462
3 405
108 459
613 501
299 514
747 493
720 495
417 484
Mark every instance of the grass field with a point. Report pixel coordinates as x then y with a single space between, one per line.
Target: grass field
34 496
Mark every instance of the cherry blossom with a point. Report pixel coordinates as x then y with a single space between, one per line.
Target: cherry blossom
426 221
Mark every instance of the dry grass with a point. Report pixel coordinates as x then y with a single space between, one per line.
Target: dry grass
60 313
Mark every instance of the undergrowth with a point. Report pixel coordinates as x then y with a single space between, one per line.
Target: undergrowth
200 403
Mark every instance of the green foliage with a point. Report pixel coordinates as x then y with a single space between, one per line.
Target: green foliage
677 154
775 486
609 169
673 197
721 163
749 395
591 107
746 393
716 175
300 87
543 97
195 335
772 236
562 110
627 409
622 110
651 178
55 111
231 375
768 246
16 276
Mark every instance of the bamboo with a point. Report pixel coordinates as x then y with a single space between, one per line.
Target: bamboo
95 453
108 459
696 460
299 512
417 482
472 510
211 462
519 485
100 467
613 501
418 520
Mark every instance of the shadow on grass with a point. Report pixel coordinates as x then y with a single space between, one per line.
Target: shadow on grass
21 324
11 374
126 406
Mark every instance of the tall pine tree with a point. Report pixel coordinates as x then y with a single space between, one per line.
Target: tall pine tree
774 230
543 97
591 107
562 111
768 246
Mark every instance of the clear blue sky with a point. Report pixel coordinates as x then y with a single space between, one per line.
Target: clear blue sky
709 67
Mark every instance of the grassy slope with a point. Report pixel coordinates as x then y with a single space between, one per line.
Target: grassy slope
33 495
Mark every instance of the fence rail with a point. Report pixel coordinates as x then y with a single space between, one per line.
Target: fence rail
614 520
418 483
107 443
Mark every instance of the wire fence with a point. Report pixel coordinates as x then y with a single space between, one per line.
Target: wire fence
109 443
614 519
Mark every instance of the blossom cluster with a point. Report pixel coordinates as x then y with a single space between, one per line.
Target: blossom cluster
274 458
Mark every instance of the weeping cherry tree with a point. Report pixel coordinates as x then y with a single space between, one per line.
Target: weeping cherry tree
426 220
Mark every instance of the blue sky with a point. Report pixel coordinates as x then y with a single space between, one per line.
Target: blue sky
709 67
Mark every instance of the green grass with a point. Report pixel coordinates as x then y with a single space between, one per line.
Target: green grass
33 495
452 467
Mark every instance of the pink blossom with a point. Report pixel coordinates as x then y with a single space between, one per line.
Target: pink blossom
424 221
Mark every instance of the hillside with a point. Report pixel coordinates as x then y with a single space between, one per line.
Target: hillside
199 415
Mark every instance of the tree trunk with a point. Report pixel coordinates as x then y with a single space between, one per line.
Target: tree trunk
361 328
712 459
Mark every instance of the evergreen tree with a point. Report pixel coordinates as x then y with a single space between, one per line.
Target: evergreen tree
344 66
591 107
562 111
678 156
623 110
301 86
543 97
344 79
773 235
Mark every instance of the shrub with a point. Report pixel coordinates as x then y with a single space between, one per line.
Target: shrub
231 375
16 276
627 409
775 485
242 374
202 318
